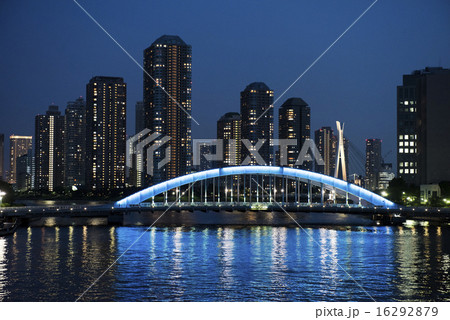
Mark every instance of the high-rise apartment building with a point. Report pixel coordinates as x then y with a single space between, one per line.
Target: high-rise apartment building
373 163
49 150
294 122
25 172
167 104
75 143
229 132
2 156
18 146
326 143
257 124
105 133
423 110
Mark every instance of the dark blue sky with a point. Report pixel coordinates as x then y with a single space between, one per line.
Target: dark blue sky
50 50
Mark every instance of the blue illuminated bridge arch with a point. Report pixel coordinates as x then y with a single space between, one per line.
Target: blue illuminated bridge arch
302 175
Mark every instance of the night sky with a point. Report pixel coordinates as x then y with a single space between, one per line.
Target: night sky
50 50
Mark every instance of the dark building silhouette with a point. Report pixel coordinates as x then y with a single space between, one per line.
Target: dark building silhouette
294 122
169 62
373 163
423 113
257 122
105 133
229 132
2 156
326 143
75 143
49 150
140 117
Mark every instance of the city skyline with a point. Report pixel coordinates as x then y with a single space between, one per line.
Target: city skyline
374 88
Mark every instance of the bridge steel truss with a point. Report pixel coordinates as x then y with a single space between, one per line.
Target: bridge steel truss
263 190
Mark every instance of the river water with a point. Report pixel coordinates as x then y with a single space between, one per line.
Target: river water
226 264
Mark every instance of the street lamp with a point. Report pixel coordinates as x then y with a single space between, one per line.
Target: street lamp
384 193
2 194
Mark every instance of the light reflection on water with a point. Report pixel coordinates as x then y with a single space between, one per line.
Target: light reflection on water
226 264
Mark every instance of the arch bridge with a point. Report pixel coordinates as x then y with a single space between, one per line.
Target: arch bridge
257 184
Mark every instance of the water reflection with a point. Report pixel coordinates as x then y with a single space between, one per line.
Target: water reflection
177 264
225 256
225 264
3 269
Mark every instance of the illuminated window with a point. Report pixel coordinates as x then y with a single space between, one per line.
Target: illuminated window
401 170
400 150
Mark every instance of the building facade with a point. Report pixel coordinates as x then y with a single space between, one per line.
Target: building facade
2 156
25 172
168 105
75 143
373 163
18 146
105 133
294 122
229 133
326 142
49 150
385 175
423 110
257 124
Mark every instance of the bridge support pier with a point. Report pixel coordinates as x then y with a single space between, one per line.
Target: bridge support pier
231 191
322 193
257 189
309 191
238 189
206 191
218 189
271 186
